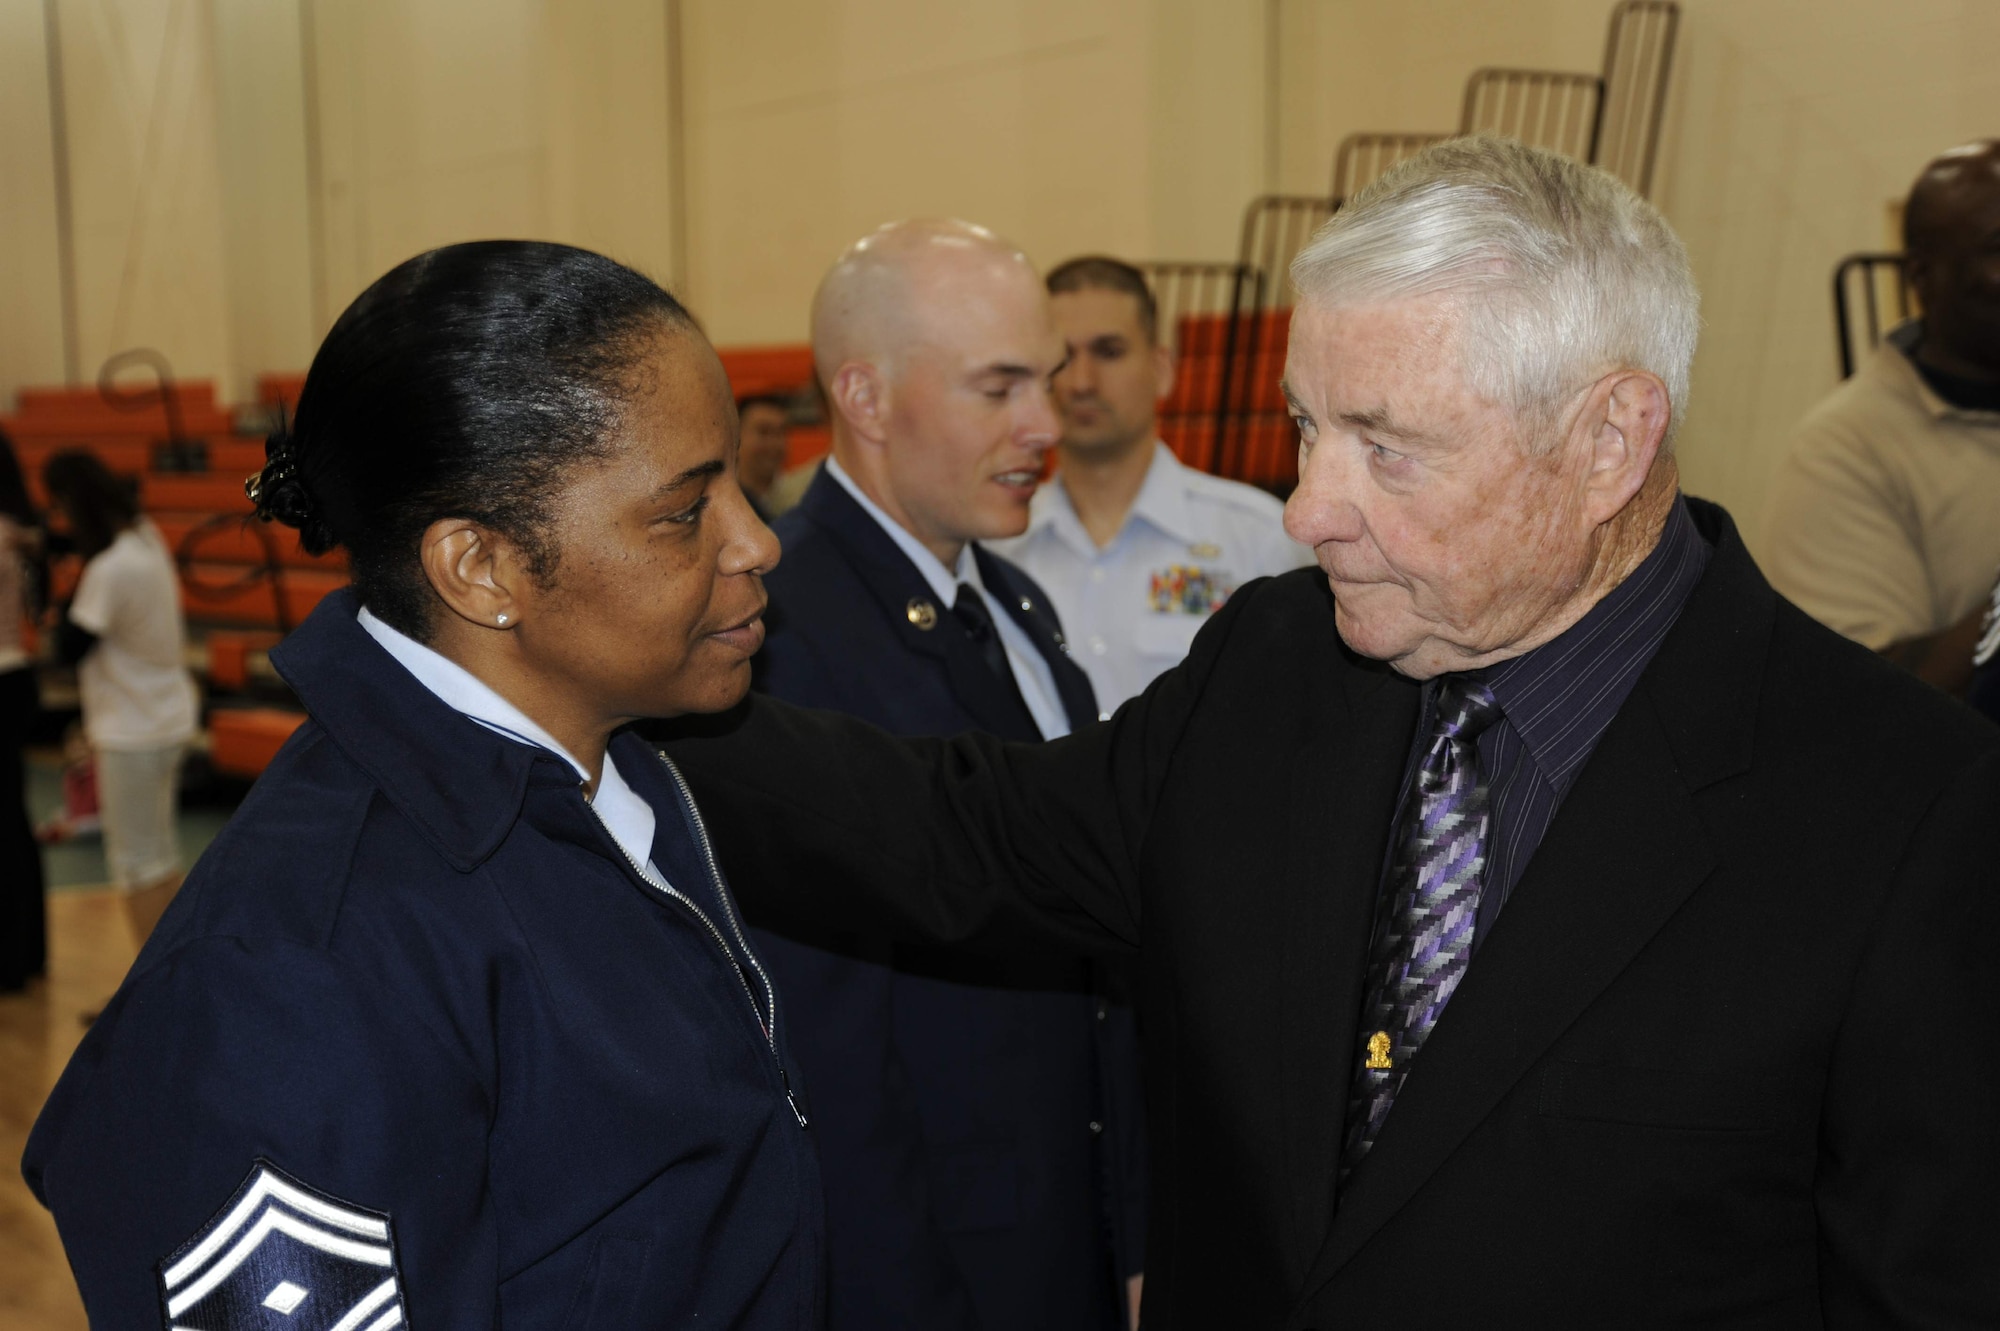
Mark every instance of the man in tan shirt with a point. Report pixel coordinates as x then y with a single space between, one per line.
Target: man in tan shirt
1884 521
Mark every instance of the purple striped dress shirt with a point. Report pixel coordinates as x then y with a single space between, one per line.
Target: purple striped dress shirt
1558 700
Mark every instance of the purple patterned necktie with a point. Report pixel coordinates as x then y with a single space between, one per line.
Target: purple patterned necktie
1423 940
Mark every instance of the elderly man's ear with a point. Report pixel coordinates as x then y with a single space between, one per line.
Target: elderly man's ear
1626 422
861 395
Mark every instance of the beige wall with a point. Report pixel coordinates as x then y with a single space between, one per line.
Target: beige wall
244 167
441 122
31 342
1125 125
1791 125
260 136
199 225
139 82
205 225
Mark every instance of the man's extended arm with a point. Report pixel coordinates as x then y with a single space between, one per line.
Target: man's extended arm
824 823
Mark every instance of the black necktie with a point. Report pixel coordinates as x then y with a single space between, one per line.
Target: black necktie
970 610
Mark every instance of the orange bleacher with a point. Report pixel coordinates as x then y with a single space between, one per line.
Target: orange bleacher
227 560
769 369
1259 443
51 419
242 741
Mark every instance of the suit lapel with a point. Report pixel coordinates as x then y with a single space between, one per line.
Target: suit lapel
1625 851
1028 608
1337 815
921 625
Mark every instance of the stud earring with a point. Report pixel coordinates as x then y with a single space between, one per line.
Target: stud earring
503 619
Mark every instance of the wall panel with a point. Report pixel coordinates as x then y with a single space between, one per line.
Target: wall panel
139 86
31 331
810 125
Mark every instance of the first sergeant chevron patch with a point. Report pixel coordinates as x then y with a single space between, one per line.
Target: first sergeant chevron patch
280 1256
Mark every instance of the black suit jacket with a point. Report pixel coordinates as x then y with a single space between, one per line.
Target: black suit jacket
1730 1057
953 1098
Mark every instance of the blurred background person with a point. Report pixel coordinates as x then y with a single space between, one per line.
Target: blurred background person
977 1121
124 633
23 922
1882 521
791 486
763 422
1135 548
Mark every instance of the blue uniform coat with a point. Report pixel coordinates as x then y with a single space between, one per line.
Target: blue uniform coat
417 984
979 1123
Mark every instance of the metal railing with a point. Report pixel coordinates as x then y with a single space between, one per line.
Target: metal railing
1545 108
1251 431
1199 306
1610 119
1194 300
1638 62
188 555
1275 228
1863 286
1364 158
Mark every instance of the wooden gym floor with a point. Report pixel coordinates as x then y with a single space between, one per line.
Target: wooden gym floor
90 949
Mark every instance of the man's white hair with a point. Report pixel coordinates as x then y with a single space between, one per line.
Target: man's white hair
1562 273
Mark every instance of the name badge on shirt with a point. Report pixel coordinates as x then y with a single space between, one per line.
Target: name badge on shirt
1188 589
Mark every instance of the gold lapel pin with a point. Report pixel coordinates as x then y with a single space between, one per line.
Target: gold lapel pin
1378 1053
1205 550
922 613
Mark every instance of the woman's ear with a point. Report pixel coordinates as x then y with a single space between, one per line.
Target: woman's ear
477 572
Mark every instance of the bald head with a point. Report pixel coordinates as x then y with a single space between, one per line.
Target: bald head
903 286
1951 230
1947 198
935 345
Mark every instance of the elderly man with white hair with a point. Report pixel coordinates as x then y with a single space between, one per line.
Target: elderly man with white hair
1543 923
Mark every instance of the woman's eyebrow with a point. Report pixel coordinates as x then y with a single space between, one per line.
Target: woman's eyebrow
701 471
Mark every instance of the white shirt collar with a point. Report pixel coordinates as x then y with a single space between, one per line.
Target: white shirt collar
943 581
1032 674
628 818
1162 501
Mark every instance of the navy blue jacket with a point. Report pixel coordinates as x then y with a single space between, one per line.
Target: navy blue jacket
415 998
978 1123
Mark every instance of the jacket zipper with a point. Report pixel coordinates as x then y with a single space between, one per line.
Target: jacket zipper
769 1028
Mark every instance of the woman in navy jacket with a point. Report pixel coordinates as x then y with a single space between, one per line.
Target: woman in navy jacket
455 1025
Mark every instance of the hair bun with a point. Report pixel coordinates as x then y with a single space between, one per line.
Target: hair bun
279 494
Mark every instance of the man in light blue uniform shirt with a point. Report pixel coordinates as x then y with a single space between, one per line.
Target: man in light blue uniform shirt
1135 549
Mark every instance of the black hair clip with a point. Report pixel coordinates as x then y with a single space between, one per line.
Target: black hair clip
278 468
